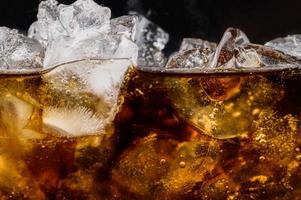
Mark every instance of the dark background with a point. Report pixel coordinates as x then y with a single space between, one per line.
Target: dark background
261 20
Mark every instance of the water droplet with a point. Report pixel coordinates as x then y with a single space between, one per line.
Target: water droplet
298 157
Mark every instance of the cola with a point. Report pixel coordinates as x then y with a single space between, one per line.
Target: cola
211 136
227 135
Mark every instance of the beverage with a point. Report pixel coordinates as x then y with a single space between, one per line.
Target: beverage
175 136
91 108
55 123
212 136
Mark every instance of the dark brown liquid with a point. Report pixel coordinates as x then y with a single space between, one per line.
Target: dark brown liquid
194 136
189 136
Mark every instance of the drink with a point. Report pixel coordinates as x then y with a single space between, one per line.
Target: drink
180 136
200 136
79 121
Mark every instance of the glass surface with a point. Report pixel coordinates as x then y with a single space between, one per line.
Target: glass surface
107 130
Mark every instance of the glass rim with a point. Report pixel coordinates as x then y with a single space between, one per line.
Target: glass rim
217 71
158 70
41 71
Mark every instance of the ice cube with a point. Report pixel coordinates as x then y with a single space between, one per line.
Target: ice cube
77 121
192 58
19 52
15 113
151 40
48 25
206 55
102 46
193 43
89 92
82 17
234 52
290 45
82 31
225 51
126 25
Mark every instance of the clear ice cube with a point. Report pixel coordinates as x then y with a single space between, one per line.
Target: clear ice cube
82 30
18 51
48 25
290 45
193 43
102 46
193 53
151 40
81 17
90 92
188 59
15 115
234 52
126 25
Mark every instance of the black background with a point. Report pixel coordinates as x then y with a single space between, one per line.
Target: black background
261 20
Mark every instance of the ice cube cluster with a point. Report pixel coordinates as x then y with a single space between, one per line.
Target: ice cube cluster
82 30
235 53
85 30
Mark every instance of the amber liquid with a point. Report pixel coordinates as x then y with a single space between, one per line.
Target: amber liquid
192 136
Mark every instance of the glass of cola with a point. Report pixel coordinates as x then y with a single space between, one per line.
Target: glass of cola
90 108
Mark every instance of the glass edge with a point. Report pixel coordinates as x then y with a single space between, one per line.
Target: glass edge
39 71
155 70
175 71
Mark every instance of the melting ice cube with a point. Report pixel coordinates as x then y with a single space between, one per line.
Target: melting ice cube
72 121
89 90
19 52
15 113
